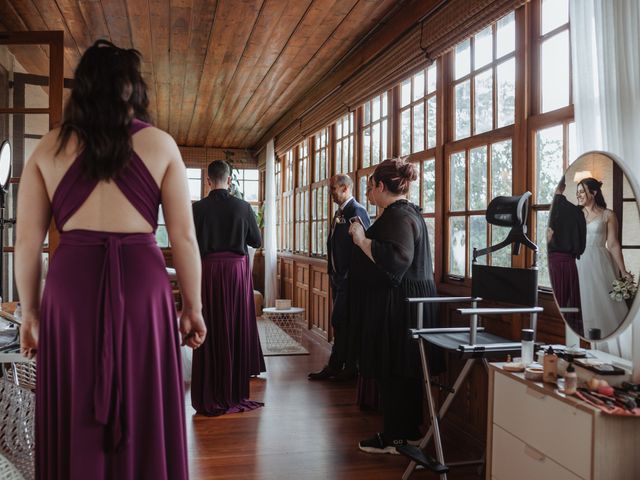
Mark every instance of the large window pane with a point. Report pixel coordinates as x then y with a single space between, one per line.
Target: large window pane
458 182
477 237
554 14
542 219
431 228
502 257
405 93
463 109
506 95
549 166
375 144
418 127
375 109
463 59
483 53
506 35
418 85
630 224
457 246
478 179
429 186
431 122
383 146
405 132
432 78
414 192
501 169
555 72
483 102
366 147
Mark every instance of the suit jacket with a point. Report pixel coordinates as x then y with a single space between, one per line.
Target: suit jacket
339 243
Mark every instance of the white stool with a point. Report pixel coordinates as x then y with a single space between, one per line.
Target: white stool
288 322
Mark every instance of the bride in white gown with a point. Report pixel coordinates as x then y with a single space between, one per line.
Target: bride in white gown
600 264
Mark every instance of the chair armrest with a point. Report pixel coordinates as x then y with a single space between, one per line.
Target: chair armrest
497 311
442 299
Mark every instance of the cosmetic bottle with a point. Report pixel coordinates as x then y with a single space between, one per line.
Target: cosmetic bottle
570 380
550 366
527 346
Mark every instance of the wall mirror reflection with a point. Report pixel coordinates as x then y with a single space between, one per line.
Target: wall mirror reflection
593 240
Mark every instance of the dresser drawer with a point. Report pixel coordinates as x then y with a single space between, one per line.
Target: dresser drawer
514 459
554 428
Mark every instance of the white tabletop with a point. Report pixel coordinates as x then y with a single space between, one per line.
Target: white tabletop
283 310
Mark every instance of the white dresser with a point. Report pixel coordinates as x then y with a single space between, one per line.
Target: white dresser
535 433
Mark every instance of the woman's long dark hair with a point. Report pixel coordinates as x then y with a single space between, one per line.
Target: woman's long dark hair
594 187
108 92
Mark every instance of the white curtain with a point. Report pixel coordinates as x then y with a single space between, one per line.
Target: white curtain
605 52
270 253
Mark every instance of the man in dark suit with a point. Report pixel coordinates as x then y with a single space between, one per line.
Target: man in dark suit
339 245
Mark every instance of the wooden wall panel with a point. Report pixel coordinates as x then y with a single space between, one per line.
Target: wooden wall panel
301 288
320 299
287 281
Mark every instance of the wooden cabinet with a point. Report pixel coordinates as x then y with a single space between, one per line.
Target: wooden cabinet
536 432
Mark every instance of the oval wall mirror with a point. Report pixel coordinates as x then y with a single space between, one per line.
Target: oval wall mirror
5 164
593 244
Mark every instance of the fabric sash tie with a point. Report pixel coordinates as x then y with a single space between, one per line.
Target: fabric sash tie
108 390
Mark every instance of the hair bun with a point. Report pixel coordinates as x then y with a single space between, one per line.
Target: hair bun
408 171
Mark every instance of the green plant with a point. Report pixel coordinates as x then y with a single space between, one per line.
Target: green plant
234 188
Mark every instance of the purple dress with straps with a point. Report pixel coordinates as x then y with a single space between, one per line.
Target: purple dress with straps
109 394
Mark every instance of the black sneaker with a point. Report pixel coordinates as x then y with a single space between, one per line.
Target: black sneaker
377 444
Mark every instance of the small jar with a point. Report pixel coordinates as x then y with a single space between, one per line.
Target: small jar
570 380
527 346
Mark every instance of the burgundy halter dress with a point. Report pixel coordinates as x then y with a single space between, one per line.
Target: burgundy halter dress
109 394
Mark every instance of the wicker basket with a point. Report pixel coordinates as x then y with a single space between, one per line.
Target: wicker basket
17 411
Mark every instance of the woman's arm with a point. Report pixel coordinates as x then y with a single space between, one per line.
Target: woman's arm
33 219
613 244
176 205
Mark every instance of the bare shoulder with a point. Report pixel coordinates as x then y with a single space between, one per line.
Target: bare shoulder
156 140
46 149
608 214
157 149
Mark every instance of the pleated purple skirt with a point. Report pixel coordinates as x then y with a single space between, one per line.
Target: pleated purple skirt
566 287
231 353
109 395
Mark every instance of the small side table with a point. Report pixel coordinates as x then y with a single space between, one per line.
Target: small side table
289 328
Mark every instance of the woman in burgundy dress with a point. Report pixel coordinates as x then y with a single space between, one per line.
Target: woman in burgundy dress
109 395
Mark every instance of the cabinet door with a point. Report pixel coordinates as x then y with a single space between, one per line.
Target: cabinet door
552 427
514 459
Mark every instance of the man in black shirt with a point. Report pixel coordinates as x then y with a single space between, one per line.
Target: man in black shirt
566 237
225 225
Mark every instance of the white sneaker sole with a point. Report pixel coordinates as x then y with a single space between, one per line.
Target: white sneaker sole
389 450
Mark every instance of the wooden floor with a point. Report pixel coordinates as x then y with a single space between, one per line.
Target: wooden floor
306 430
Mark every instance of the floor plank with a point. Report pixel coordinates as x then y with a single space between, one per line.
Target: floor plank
306 430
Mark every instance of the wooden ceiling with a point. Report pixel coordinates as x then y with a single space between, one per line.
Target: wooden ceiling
220 73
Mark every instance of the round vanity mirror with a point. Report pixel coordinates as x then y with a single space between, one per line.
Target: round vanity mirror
5 164
593 245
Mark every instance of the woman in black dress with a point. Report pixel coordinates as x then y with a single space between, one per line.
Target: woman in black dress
393 262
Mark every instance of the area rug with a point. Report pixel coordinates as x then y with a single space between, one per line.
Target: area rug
275 341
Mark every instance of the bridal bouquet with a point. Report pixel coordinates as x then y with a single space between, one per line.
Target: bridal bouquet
623 289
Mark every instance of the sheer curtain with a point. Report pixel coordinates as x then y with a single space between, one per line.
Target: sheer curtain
605 53
270 253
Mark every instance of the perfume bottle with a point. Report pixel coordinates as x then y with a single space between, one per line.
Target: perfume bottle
550 366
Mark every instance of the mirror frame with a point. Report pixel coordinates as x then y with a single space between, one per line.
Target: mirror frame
635 305
4 182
